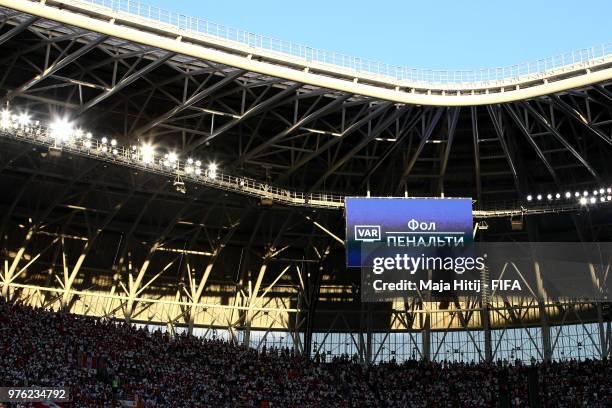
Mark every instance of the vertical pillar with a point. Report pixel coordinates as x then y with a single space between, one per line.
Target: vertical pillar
369 336
426 335
253 301
544 323
485 317
603 339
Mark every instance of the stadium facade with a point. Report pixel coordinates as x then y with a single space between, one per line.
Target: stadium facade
169 171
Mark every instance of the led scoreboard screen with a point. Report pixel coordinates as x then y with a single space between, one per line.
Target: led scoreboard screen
396 241
424 248
371 222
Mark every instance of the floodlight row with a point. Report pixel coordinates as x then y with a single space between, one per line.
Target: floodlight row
586 197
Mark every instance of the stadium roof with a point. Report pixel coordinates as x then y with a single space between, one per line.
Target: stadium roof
302 122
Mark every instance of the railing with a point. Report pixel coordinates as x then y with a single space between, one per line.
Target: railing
309 55
63 136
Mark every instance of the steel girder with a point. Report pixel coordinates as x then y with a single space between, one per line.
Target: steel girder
317 135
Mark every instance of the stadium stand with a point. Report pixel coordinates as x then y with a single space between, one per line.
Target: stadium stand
174 228
89 355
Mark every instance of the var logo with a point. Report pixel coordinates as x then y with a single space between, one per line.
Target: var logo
367 233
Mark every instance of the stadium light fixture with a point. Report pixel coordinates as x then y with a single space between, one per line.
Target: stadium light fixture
212 170
23 119
5 119
147 153
61 130
62 134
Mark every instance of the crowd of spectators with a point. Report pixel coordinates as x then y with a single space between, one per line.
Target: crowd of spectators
104 362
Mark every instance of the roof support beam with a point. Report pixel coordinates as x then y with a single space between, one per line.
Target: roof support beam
249 113
400 139
56 66
428 132
475 139
334 140
453 118
523 128
544 122
373 134
573 113
126 81
17 29
191 101
305 120
495 115
600 89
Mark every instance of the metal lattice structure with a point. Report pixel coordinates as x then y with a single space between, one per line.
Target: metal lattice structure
96 235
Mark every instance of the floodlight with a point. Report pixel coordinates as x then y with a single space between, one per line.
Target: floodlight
568 194
549 196
583 201
24 119
104 140
172 157
147 152
113 142
61 130
212 170
539 197
593 200
529 197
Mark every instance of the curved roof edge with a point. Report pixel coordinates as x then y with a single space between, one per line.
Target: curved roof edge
168 37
